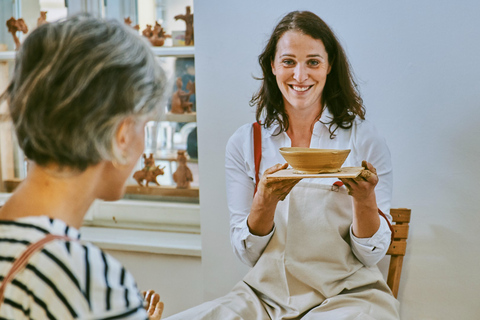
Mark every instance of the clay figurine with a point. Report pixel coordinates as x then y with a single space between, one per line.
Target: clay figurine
148 162
148 32
188 18
180 98
149 172
42 19
183 176
128 22
157 39
14 26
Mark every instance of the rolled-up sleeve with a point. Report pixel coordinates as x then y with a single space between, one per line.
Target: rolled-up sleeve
240 188
371 250
372 147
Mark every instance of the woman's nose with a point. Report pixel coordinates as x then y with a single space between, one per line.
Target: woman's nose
300 73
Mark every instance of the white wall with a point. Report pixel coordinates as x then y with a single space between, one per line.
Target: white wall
177 279
417 66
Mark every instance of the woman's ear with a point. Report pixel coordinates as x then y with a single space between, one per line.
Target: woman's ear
123 134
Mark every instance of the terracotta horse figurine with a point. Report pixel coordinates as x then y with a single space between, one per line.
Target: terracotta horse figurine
14 26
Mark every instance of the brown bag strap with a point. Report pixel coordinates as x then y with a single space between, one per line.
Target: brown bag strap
257 149
389 224
20 263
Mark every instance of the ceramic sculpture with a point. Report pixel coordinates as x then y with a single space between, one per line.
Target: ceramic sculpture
128 22
15 25
42 19
183 176
149 172
180 98
188 18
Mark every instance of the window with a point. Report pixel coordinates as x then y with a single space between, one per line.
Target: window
167 210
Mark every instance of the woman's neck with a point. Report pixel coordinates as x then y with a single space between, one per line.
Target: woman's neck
301 125
58 195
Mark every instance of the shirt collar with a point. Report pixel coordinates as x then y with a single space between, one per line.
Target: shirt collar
325 120
53 226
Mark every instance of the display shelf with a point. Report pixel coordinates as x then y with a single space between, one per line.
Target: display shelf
181 117
7 55
163 191
182 52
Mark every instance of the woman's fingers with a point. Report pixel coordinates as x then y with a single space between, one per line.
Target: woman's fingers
154 306
147 295
157 313
155 298
276 168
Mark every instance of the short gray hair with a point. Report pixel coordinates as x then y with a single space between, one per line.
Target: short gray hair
74 82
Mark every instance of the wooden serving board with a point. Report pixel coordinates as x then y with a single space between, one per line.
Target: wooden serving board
345 172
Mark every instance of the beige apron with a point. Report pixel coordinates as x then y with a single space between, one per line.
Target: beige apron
308 270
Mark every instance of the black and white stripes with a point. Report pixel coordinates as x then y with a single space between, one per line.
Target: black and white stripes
65 280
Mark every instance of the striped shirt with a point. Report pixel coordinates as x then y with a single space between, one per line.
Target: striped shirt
66 279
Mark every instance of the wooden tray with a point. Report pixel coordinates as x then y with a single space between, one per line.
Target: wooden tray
345 172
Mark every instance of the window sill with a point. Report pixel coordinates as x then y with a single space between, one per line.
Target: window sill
157 242
142 226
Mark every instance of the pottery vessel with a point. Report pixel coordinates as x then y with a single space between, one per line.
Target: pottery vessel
312 161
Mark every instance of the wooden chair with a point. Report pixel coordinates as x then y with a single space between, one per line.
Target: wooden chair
401 218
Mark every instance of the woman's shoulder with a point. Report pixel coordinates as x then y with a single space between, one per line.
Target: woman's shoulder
240 137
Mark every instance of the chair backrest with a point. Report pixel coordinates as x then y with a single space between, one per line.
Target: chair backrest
401 219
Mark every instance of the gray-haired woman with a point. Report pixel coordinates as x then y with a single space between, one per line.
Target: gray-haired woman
79 99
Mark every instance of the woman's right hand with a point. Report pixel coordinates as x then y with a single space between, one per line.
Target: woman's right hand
154 306
269 193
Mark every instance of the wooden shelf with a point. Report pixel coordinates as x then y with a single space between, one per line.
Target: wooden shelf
164 191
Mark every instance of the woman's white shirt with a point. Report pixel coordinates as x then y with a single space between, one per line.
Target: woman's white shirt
365 144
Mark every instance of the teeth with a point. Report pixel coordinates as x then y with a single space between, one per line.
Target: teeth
300 88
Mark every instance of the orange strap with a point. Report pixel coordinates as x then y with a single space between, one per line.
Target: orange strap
20 263
257 149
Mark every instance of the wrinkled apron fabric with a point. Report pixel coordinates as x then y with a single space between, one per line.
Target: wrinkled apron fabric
308 270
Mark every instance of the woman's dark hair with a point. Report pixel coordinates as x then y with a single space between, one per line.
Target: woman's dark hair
340 94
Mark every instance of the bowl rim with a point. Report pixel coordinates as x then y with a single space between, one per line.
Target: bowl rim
311 150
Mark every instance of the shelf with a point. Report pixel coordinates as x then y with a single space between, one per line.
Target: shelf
187 51
7 55
164 191
182 52
183 117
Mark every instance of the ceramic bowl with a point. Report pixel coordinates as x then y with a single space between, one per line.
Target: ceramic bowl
311 161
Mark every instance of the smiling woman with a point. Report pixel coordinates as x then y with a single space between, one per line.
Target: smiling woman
312 249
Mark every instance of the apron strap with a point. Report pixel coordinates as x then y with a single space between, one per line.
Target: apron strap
20 263
257 149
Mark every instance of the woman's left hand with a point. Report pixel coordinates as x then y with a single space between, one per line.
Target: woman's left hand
362 187
366 220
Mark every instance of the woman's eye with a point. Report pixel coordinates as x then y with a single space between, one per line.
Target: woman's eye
314 63
288 62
